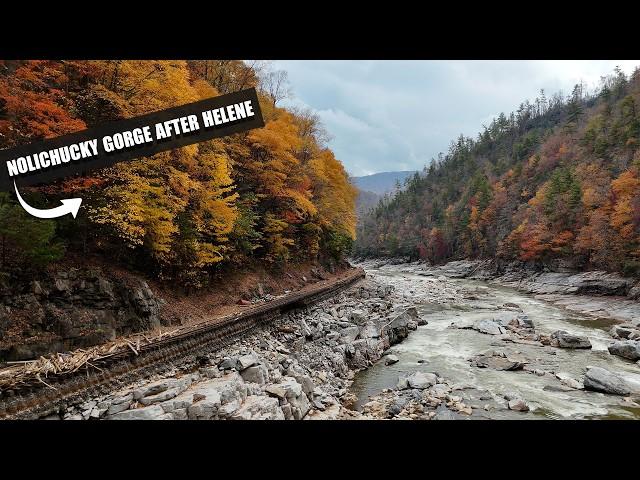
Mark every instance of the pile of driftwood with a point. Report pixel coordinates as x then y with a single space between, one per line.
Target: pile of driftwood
18 373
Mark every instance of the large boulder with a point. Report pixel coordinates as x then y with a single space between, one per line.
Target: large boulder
287 388
418 380
489 327
587 283
413 313
518 404
154 412
622 332
207 399
246 361
364 352
300 406
629 349
600 380
563 339
398 329
258 407
498 361
256 374
391 359
154 388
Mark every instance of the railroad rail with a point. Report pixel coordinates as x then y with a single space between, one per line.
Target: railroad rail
34 399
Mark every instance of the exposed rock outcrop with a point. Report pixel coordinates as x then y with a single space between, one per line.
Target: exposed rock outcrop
72 308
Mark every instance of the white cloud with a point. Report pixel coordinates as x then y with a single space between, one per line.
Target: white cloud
396 115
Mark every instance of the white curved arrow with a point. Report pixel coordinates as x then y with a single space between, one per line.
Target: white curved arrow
70 205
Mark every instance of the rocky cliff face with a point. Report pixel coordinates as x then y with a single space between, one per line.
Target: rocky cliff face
72 308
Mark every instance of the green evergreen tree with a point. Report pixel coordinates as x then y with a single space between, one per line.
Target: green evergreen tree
25 240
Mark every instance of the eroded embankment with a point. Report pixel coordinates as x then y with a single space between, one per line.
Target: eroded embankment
297 367
82 304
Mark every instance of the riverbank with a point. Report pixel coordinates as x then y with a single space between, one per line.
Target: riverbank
597 294
410 341
298 367
506 354
82 303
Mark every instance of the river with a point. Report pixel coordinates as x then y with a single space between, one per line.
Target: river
438 348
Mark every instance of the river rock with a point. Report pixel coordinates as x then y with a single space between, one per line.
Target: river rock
518 404
413 313
205 408
163 396
489 327
622 332
117 408
391 359
629 349
307 383
524 321
587 283
563 339
246 361
256 374
228 363
154 412
443 413
211 399
398 329
358 316
257 407
439 390
287 388
569 381
364 352
300 406
120 404
418 380
601 380
155 388
498 361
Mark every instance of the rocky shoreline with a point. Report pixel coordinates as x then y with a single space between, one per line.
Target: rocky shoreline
597 294
303 365
516 339
299 367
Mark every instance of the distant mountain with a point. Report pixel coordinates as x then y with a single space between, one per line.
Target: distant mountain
382 182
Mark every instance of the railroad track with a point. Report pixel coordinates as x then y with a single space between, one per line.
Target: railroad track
34 399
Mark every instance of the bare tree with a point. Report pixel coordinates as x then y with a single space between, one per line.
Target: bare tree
275 84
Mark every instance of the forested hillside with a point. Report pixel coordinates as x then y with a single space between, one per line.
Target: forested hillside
558 180
274 194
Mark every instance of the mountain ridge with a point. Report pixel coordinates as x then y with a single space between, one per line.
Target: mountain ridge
557 181
381 182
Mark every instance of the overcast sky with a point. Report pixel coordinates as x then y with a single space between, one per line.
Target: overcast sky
396 115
